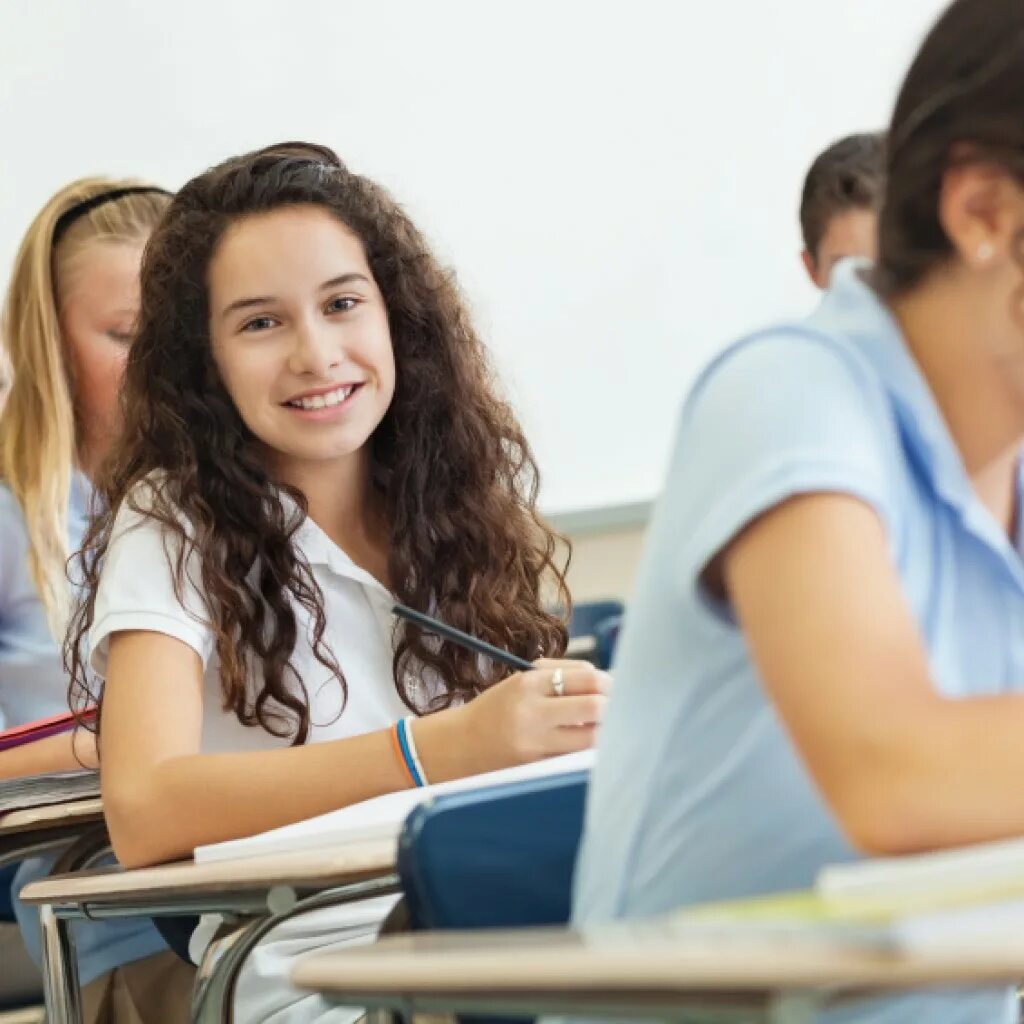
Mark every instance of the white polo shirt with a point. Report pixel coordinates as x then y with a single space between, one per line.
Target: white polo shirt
136 592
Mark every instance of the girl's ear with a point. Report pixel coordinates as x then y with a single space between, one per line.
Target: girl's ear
981 209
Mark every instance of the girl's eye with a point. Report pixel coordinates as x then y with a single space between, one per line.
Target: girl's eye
259 323
341 305
121 337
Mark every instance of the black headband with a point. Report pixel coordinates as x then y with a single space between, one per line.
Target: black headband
70 215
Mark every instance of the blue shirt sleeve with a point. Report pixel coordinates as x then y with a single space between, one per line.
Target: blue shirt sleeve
13 553
780 414
32 680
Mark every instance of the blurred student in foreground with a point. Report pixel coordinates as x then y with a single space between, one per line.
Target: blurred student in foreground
823 658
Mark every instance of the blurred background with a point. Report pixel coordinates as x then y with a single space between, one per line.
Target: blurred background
616 184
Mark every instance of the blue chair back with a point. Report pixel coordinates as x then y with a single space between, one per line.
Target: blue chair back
496 857
588 616
607 637
596 624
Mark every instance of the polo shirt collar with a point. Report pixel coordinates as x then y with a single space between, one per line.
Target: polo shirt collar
319 549
853 310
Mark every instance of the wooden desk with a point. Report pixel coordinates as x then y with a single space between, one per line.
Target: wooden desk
31 1015
75 812
25 833
638 970
257 893
114 892
38 830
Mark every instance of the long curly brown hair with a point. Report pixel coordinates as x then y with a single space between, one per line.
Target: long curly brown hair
454 472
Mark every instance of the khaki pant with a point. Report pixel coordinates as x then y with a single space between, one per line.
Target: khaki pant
19 978
157 990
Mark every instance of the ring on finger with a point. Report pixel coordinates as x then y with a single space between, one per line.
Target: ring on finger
558 683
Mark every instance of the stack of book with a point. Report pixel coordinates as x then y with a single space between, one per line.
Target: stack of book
43 790
967 902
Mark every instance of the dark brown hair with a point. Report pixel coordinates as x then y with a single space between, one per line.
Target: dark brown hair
846 176
962 99
450 463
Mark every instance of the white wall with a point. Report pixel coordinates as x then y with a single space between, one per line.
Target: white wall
616 182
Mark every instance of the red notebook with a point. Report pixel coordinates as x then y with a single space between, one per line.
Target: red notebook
39 730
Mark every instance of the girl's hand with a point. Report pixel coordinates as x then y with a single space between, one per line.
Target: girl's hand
523 719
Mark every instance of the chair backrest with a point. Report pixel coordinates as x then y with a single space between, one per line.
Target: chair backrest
607 637
496 857
593 630
588 616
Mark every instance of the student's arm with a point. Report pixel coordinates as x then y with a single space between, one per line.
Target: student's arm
836 645
162 798
66 752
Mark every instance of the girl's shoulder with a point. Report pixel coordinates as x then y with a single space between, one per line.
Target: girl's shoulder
151 505
846 357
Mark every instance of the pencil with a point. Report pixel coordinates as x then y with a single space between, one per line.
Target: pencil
456 636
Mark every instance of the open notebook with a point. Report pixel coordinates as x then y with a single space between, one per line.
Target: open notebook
964 903
965 929
380 819
946 877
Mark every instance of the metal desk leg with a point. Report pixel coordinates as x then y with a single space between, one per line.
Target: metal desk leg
215 984
61 989
60 969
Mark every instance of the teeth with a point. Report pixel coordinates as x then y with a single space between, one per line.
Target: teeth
324 401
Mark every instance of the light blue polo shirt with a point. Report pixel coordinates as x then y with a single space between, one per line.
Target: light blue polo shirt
33 685
32 680
698 793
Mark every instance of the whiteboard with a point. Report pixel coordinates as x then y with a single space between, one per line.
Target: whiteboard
616 183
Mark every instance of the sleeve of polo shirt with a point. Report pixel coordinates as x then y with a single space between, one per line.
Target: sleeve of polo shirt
136 590
13 565
13 553
778 415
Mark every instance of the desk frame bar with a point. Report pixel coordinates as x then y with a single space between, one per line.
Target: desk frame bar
213 996
789 1007
62 992
61 988
259 911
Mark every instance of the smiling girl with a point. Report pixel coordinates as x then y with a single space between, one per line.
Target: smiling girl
312 433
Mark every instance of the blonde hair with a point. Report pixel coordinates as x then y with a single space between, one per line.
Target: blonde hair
38 436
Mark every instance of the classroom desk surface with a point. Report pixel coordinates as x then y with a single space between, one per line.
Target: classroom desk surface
257 893
625 966
32 1015
318 869
41 829
73 814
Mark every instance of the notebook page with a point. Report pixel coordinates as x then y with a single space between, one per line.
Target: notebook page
995 868
378 819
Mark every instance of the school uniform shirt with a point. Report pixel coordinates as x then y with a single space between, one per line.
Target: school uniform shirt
136 592
698 793
33 685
